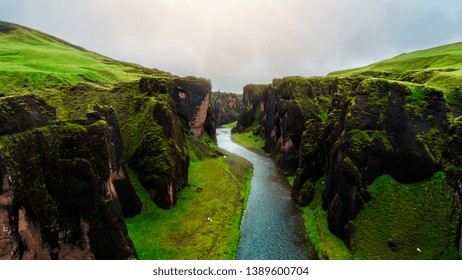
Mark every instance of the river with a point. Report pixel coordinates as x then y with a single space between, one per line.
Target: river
272 226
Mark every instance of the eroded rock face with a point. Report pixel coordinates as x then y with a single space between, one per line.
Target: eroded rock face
191 97
253 109
381 134
453 165
275 113
160 157
58 199
226 107
24 113
192 100
158 152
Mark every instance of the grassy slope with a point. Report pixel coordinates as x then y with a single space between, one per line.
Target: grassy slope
403 217
249 140
34 62
439 68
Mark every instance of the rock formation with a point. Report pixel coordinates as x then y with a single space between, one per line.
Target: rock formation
59 196
226 107
353 130
160 154
191 97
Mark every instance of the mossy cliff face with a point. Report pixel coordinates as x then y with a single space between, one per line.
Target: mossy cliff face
226 107
58 197
191 97
157 149
381 132
162 110
352 131
453 165
277 112
155 114
253 106
376 128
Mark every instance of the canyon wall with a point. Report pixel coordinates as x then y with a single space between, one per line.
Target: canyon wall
351 133
61 184
156 113
226 107
156 128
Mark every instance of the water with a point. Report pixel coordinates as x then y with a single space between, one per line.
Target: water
272 226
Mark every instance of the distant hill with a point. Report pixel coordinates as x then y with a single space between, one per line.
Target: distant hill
35 62
439 68
48 59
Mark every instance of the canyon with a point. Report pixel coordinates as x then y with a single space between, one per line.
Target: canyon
374 153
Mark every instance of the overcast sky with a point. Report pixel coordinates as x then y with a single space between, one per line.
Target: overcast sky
236 42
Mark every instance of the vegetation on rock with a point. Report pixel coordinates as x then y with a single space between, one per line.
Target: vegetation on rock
394 119
154 114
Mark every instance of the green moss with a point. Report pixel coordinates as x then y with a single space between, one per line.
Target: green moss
291 180
417 93
400 220
417 108
434 143
367 138
200 149
311 95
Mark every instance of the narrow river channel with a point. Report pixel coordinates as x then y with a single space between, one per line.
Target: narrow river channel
272 226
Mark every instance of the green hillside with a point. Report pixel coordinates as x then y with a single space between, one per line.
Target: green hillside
29 59
34 62
439 68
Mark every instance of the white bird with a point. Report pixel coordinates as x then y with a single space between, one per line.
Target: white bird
418 250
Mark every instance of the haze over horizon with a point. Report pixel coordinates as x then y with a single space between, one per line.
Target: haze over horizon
236 42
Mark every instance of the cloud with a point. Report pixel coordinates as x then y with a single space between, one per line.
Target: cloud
235 42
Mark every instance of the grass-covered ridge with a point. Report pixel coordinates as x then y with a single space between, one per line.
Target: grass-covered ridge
43 59
34 62
439 68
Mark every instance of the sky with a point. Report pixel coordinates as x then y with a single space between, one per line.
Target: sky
237 42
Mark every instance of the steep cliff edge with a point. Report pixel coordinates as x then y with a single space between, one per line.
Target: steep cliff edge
59 196
374 149
277 112
191 97
156 113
